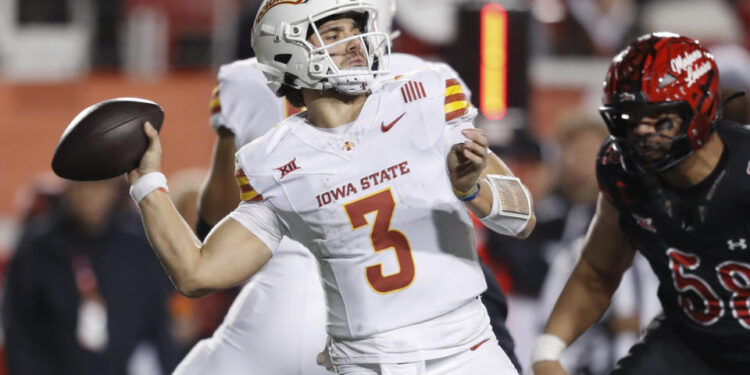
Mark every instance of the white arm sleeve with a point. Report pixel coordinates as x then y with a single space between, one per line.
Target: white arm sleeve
259 218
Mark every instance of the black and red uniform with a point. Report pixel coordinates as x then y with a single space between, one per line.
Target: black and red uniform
697 241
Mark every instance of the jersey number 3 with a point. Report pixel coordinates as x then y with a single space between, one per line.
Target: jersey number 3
733 276
383 238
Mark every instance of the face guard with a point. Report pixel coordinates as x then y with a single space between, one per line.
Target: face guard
658 74
280 41
353 80
654 152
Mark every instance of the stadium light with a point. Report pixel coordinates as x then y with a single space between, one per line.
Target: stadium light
493 73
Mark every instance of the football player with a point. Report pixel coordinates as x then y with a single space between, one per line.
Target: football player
282 303
370 179
674 185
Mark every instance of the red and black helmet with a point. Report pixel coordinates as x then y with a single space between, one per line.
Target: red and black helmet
662 72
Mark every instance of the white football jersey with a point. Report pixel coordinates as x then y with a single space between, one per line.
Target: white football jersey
276 325
375 205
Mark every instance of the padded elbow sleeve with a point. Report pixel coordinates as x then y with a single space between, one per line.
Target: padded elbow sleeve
511 205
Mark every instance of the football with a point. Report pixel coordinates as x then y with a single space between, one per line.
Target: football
106 139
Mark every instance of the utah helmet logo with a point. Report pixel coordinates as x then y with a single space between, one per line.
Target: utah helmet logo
272 3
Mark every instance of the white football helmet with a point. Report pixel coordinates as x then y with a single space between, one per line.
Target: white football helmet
280 35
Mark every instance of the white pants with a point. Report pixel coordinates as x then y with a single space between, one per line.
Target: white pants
487 359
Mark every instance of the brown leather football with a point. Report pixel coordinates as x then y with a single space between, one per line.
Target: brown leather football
106 139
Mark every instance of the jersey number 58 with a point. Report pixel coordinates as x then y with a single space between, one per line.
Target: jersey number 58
733 276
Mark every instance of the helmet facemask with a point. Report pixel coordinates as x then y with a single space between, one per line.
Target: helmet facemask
374 45
652 152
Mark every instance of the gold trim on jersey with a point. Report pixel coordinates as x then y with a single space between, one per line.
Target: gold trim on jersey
455 106
456 102
215 104
247 192
455 89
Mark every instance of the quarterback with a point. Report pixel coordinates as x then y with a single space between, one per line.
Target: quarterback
283 303
371 179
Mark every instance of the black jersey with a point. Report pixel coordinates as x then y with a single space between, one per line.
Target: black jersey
697 241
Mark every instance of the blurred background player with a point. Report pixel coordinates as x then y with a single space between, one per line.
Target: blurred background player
672 176
366 329
83 289
283 302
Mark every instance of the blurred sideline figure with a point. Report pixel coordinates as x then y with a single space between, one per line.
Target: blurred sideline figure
277 323
674 186
83 288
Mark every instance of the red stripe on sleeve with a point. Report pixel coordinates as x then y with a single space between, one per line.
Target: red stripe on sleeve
452 82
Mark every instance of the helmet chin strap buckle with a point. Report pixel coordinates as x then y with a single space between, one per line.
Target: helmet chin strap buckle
353 84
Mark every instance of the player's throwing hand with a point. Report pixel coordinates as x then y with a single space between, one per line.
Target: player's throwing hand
467 160
151 160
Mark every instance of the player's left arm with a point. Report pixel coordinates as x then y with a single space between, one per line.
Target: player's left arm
499 199
479 177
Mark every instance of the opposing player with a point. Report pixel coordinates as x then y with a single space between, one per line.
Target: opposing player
361 180
674 181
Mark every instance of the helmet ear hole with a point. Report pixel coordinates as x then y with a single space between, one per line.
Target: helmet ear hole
283 58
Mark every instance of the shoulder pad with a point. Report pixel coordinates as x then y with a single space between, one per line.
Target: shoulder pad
246 71
732 133
403 63
614 182
253 169
439 83
243 103
262 147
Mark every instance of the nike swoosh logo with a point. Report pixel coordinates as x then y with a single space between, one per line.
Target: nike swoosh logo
388 127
